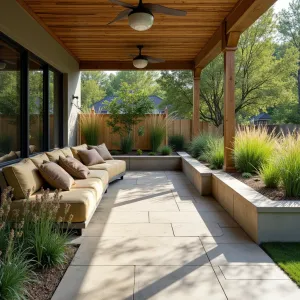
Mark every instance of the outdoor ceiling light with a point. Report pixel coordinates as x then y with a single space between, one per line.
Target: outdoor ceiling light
2 65
140 62
140 19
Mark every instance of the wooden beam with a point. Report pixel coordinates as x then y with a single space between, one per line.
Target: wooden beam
196 103
127 65
229 100
244 14
41 22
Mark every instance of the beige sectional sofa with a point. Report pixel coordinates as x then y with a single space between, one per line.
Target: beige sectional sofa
85 194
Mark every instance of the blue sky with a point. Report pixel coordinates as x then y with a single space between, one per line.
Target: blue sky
280 4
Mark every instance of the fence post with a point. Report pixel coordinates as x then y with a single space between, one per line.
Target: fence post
166 116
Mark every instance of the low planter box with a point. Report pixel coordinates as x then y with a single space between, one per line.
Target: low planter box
263 219
151 163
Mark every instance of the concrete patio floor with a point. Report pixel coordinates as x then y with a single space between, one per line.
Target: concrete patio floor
154 237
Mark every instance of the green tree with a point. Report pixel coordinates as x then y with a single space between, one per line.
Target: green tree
145 79
128 108
289 27
93 86
262 80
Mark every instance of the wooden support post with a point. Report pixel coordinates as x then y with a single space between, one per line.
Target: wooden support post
231 42
196 103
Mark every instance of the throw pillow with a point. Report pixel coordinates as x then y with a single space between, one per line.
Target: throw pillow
90 157
74 167
103 151
56 176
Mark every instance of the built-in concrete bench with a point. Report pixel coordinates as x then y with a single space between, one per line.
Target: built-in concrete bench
263 219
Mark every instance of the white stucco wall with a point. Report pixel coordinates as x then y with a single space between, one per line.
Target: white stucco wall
17 24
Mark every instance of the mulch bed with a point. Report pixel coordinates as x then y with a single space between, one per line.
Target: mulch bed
48 279
257 184
134 153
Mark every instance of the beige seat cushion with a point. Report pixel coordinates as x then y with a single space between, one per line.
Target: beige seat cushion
83 203
54 155
101 174
75 149
56 176
39 159
94 183
22 177
90 157
103 151
113 167
67 151
74 167
10 156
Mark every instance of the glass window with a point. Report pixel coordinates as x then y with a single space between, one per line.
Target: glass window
35 107
54 96
9 103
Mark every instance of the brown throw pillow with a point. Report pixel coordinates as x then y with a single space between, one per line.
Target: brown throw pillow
103 151
56 176
90 157
74 167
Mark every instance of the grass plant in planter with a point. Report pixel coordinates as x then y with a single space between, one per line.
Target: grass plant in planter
199 145
90 125
176 142
157 128
166 150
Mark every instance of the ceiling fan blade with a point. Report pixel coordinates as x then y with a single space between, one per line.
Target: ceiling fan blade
156 8
127 5
154 60
122 15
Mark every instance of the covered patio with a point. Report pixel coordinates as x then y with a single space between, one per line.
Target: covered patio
154 235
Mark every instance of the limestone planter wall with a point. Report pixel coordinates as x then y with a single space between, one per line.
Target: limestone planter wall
263 219
151 163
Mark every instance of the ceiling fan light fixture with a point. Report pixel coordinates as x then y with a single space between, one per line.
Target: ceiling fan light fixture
2 65
140 63
140 21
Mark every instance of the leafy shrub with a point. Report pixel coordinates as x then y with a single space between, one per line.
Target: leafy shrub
199 144
166 150
157 127
253 148
90 128
139 152
214 153
270 174
289 165
246 175
176 142
126 144
152 153
114 152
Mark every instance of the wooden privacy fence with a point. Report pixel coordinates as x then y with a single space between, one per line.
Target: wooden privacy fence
175 126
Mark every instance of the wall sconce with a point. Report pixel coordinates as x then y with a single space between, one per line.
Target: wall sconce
75 97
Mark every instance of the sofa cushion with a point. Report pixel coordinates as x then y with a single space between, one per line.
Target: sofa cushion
113 167
54 155
56 176
94 183
101 174
10 156
83 203
76 148
39 159
103 151
90 157
22 177
67 151
74 167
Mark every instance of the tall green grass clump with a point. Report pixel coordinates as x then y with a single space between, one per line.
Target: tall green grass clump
289 165
270 173
157 129
90 125
166 150
199 144
253 148
214 153
126 143
176 142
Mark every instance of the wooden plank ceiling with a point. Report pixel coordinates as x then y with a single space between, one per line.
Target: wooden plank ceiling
81 27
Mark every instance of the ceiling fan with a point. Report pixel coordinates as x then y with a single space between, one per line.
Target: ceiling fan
141 61
140 17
